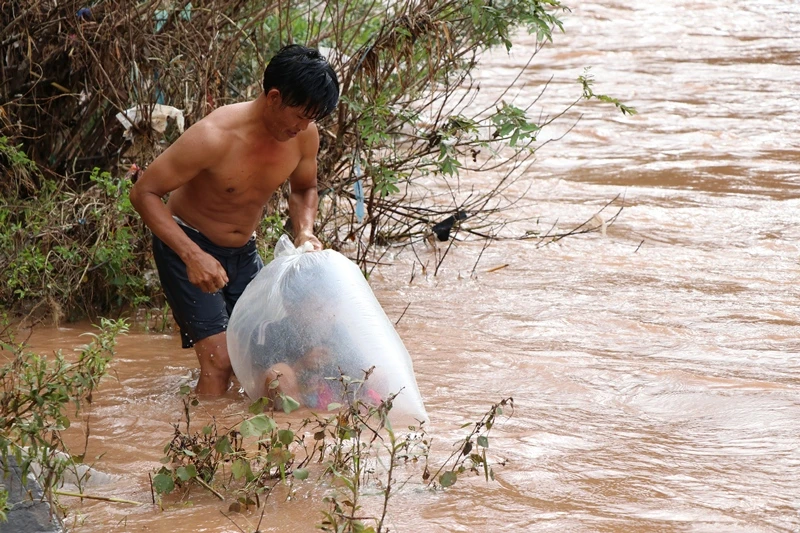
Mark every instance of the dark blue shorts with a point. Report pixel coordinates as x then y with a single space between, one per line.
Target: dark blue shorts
199 314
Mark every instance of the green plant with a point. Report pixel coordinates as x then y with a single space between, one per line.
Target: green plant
355 445
36 392
587 81
247 461
470 454
269 231
363 448
16 165
4 508
197 457
73 251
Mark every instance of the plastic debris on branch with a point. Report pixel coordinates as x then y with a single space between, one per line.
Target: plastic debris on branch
157 114
308 318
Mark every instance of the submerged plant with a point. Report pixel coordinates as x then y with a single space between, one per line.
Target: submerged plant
352 449
36 392
364 449
470 454
251 457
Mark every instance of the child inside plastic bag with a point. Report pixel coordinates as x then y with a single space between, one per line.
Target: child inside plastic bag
309 349
307 321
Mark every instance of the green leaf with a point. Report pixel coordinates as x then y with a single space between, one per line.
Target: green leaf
257 426
289 404
241 468
223 446
286 436
163 483
334 407
301 473
483 441
62 424
238 468
259 406
448 479
247 429
185 473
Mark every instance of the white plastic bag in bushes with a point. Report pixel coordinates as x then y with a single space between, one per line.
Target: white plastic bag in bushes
313 316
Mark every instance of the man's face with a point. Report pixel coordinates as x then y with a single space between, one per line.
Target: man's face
288 121
296 120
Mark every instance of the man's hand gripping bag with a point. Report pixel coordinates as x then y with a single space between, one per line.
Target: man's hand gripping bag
313 315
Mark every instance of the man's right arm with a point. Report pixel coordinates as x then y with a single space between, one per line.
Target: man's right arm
193 152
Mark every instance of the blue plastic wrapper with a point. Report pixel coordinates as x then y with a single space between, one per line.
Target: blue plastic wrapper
310 318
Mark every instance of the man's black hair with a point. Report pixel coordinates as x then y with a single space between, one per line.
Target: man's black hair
305 79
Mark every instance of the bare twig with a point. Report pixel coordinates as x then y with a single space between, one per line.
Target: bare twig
84 496
402 314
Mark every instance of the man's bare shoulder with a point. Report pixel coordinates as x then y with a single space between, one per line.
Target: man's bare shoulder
308 140
228 116
222 120
214 133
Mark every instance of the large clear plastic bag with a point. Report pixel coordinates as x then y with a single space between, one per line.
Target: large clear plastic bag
313 316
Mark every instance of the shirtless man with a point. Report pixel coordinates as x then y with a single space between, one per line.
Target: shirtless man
219 175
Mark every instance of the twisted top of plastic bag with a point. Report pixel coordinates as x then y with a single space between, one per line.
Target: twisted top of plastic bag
285 247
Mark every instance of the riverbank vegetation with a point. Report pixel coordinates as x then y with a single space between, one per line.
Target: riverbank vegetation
406 127
39 396
350 450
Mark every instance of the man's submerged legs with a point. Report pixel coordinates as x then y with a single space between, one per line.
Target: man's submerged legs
215 365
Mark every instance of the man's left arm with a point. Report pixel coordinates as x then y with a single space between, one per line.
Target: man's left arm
303 198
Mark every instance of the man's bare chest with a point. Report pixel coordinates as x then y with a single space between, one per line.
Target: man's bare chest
252 175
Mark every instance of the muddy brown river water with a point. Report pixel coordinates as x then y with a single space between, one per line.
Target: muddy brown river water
654 368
